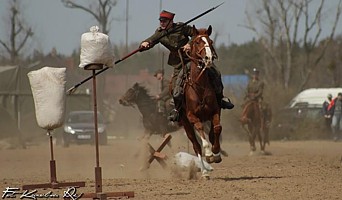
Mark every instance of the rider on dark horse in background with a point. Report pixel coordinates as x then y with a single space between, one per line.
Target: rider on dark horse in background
164 96
178 43
254 92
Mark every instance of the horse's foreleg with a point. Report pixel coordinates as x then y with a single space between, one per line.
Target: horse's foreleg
205 144
251 137
189 130
265 140
217 129
265 132
205 171
200 130
261 139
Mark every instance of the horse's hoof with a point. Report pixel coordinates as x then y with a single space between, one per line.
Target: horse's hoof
217 159
210 159
265 153
206 177
251 153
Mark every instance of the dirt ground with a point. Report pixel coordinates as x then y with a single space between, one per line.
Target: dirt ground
294 170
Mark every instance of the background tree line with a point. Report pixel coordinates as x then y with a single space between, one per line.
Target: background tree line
288 46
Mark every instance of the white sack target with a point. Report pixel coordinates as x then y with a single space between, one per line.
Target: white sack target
183 159
96 49
48 89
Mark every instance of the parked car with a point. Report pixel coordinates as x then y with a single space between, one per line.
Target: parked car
303 115
79 128
313 97
291 119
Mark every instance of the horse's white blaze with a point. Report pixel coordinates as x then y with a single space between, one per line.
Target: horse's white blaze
208 52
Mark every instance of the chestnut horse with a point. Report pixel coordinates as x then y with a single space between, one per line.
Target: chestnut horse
200 104
254 118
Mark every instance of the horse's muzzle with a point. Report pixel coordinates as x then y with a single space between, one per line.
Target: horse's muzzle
208 61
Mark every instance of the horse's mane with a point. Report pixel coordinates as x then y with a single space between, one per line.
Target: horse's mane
144 89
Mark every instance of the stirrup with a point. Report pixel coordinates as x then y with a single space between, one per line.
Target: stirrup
226 104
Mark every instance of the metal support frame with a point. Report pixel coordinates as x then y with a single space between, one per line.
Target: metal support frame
98 171
54 184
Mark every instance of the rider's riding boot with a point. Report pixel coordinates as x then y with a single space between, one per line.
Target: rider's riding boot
175 113
161 107
224 102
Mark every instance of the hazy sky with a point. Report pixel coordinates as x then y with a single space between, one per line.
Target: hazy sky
60 27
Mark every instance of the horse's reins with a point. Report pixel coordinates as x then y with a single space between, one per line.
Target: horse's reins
196 60
182 62
198 53
184 69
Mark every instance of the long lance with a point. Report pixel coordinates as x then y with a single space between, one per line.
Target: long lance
172 30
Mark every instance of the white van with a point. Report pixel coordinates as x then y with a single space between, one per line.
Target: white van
313 97
304 112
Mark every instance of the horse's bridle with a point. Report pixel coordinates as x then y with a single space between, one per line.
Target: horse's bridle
133 93
201 61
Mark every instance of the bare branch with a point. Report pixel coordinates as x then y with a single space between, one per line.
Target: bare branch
322 50
17 33
101 13
318 20
332 33
71 4
297 14
271 29
29 33
5 45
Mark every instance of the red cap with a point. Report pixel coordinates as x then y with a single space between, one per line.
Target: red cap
166 14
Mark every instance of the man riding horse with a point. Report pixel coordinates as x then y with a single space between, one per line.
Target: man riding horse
178 43
254 92
164 96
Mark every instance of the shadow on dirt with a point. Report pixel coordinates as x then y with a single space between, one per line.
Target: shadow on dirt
248 178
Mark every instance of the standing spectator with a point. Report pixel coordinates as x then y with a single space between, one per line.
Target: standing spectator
335 109
326 114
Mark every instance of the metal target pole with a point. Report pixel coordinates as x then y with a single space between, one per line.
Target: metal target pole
98 171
